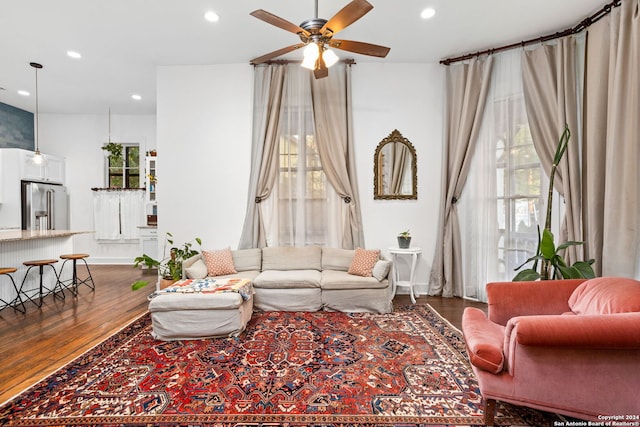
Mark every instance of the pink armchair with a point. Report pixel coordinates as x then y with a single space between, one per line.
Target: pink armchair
567 346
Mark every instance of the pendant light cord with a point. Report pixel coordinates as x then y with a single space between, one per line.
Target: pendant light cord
37 136
109 124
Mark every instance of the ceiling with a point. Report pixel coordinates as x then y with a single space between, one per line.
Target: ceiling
123 41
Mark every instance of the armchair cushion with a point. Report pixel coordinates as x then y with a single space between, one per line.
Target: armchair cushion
606 295
484 340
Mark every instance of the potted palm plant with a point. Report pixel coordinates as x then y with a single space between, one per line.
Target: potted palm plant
548 258
169 267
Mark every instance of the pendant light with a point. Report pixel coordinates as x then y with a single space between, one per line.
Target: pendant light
37 156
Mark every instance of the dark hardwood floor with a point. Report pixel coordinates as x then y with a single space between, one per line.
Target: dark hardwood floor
35 344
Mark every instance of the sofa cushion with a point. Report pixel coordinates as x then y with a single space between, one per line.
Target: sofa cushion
247 259
332 279
336 259
363 262
606 295
288 279
381 269
197 270
219 262
484 340
290 258
247 274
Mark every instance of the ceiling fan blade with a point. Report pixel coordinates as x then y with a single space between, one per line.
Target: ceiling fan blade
360 47
347 16
272 19
276 53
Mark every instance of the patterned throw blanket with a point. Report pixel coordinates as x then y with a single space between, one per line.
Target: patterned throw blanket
209 286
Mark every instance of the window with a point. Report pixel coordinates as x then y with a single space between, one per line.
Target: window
302 197
124 171
518 186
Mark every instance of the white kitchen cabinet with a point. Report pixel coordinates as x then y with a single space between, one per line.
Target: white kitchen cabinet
50 170
149 241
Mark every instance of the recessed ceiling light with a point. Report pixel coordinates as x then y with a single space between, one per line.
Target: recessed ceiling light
211 16
428 13
136 97
73 54
23 93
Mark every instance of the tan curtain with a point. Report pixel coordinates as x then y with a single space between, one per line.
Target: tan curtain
466 91
333 122
612 141
268 90
550 92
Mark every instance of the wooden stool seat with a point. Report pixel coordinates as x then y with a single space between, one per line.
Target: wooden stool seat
74 282
74 256
41 263
17 300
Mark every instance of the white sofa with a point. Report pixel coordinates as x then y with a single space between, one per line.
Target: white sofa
307 278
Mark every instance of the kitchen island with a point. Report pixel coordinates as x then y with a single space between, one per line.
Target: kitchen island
18 246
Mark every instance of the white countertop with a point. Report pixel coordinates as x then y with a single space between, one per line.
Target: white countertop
19 235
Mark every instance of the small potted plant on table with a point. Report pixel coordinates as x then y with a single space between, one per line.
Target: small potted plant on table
404 240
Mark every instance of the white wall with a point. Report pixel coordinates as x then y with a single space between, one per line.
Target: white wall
78 139
204 151
204 118
407 97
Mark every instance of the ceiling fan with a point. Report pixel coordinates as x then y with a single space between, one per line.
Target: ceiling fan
317 34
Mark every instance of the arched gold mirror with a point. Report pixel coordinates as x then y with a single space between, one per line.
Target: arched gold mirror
395 169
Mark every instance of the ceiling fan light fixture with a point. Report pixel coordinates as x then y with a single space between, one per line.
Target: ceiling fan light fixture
311 53
330 57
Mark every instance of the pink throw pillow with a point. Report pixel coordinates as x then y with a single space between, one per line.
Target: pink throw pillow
606 295
363 262
219 262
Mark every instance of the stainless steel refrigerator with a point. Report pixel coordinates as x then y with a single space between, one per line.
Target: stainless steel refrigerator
44 206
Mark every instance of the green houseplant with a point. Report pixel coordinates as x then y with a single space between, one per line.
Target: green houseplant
548 262
114 149
404 239
169 267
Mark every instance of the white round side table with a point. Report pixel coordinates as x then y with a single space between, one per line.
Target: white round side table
414 253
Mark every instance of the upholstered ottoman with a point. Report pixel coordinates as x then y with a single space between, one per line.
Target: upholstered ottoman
201 308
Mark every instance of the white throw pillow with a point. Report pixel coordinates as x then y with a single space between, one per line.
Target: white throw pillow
197 270
381 269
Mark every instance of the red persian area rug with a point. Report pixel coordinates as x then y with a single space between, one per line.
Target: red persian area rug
407 368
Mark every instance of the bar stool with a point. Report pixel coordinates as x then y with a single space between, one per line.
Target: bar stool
41 263
74 282
7 271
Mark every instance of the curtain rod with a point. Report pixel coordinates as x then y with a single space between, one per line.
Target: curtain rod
569 31
348 61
